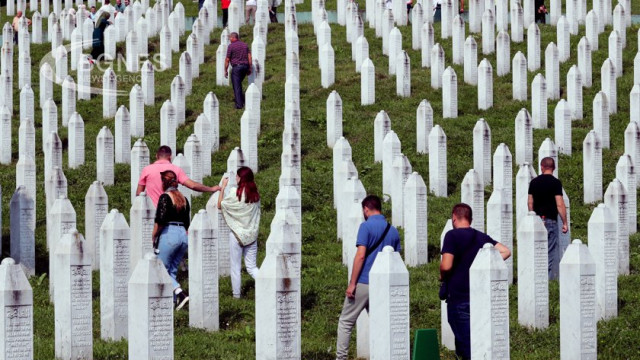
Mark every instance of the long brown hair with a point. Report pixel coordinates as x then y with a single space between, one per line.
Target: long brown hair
247 186
170 180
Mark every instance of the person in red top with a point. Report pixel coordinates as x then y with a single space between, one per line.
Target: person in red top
151 180
225 12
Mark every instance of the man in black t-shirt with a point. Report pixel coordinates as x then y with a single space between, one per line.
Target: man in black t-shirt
545 198
459 250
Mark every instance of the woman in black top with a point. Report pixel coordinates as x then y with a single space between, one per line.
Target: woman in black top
98 36
170 231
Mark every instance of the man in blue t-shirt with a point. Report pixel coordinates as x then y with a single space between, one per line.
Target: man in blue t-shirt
459 249
373 235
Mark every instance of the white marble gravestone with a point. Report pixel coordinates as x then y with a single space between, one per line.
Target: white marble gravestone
574 93
334 118
278 333
362 52
139 159
136 111
563 39
417 22
485 85
488 32
109 93
403 74
73 300
328 70
55 186
519 77
517 22
524 137
578 314
68 99
533 283
427 43
148 82
632 144
470 61
115 238
394 48
52 154
609 84
438 162
186 73
615 198
473 195
400 171
552 71
27 105
437 66
592 167
5 136
562 124
449 93
391 148
122 140
26 175
634 98
178 96
150 325
96 207
625 171
389 312
249 140
26 138
539 102
105 171
424 124
503 169
204 133
584 62
603 245
141 218
17 305
601 118
500 223
415 221
533 47
368 83
489 305
482 151
168 125
211 109
341 153
503 53
22 221
381 125
457 40
203 270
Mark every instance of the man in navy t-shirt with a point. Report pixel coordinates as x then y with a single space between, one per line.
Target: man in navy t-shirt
368 244
459 249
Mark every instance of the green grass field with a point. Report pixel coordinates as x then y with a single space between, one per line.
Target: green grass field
323 277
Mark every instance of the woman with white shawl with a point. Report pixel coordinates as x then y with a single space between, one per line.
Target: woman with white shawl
241 211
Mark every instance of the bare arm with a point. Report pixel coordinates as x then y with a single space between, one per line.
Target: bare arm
199 187
504 251
226 67
157 229
140 189
358 263
530 202
225 181
562 211
446 263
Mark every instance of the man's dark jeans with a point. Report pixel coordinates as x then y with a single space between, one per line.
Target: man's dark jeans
459 317
238 73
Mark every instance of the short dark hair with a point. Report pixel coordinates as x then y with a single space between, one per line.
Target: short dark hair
548 163
234 35
163 152
372 202
462 211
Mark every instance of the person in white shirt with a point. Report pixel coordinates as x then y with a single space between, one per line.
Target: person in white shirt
250 11
106 7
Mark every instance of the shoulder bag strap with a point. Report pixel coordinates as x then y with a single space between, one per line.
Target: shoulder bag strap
377 243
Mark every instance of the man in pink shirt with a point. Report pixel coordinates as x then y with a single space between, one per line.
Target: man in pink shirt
151 182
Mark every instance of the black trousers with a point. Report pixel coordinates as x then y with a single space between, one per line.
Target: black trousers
238 73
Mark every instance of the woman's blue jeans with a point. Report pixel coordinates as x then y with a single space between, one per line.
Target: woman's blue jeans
173 245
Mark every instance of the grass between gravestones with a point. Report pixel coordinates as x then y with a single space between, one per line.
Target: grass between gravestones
323 276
